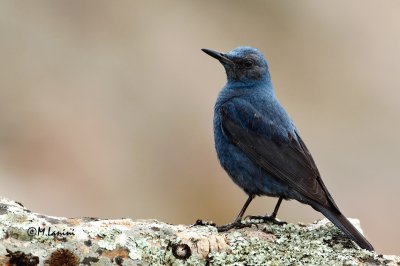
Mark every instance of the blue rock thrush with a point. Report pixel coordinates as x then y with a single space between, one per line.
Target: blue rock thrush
259 146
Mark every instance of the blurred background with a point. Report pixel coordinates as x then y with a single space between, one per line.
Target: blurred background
106 107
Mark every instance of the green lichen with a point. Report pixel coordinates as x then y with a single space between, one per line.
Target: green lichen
108 239
149 242
294 245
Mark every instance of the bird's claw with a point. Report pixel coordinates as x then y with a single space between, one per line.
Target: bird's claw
200 222
236 224
266 218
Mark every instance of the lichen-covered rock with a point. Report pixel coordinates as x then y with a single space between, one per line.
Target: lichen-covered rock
46 240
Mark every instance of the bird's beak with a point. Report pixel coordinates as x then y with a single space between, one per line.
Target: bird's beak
220 56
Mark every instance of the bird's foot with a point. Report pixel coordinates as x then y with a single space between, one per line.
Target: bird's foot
200 222
266 218
236 224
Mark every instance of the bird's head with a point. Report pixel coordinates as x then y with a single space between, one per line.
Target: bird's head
243 64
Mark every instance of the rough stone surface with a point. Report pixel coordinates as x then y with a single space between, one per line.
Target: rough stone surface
35 239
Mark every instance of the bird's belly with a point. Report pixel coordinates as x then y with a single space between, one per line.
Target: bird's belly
247 175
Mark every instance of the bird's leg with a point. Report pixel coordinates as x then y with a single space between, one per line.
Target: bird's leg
275 212
272 217
237 223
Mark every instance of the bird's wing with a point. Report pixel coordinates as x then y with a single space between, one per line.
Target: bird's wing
279 151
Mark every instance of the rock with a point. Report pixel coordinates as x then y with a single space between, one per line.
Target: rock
47 240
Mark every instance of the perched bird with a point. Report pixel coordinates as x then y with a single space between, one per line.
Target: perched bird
259 146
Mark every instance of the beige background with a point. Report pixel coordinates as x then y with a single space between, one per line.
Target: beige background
106 107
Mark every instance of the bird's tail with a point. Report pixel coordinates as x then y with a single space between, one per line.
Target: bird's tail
343 224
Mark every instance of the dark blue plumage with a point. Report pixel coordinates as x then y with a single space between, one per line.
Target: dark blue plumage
259 146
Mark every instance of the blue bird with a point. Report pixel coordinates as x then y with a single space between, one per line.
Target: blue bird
259 146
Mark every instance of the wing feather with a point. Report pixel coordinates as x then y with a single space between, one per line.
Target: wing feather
284 157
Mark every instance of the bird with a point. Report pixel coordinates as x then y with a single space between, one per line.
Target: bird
259 146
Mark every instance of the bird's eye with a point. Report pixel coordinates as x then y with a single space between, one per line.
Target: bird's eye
248 63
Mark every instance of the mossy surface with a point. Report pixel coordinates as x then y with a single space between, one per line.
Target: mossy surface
150 242
292 245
